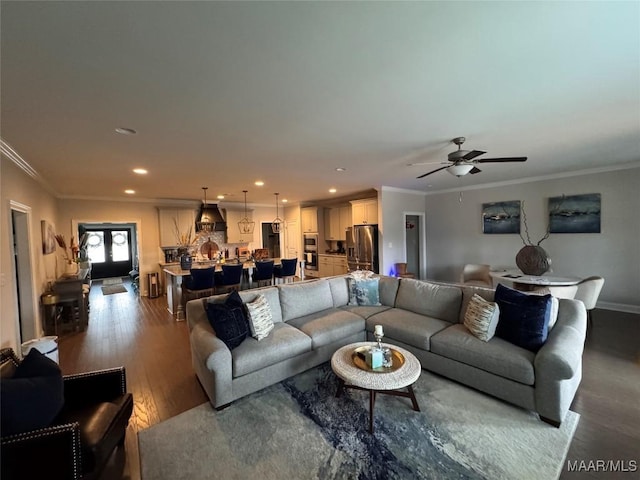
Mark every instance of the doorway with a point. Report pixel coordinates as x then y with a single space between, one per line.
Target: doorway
270 240
110 248
413 249
26 301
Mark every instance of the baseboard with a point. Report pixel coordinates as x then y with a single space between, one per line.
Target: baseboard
619 307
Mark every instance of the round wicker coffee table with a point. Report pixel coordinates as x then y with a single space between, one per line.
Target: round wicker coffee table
354 374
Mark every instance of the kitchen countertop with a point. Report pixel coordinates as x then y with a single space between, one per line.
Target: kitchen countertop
335 254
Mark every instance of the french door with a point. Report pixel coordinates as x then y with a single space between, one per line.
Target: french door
110 250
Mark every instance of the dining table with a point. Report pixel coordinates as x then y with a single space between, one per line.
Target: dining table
174 275
526 283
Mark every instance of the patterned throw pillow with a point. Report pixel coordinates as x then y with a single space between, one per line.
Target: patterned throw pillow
364 292
260 318
481 318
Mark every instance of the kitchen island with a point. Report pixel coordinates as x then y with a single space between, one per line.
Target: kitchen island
173 275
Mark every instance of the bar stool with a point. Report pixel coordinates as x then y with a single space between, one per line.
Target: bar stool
286 271
263 273
229 279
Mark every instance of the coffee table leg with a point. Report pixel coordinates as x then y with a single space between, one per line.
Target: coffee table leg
372 402
413 398
340 387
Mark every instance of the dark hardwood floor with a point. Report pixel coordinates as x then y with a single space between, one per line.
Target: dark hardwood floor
140 334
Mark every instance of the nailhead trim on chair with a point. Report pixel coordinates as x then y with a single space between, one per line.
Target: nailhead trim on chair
123 378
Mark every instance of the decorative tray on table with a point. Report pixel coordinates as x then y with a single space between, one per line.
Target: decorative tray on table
359 360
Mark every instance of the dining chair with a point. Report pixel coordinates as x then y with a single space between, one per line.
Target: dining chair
229 278
476 274
198 284
263 273
588 292
286 271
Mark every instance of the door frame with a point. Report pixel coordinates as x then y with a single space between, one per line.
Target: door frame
135 248
28 305
422 240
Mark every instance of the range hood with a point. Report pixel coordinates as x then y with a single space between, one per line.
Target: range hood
209 218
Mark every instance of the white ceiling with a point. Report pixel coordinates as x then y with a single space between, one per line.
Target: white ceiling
225 93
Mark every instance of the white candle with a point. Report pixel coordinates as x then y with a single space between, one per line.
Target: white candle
378 330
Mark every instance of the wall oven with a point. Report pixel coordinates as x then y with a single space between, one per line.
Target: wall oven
311 251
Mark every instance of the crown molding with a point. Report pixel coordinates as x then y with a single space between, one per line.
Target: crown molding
9 152
386 188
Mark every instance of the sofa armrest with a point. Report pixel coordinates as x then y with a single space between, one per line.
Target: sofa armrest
212 363
561 355
94 387
58 450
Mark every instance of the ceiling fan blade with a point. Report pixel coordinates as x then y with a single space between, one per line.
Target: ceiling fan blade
434 171
475 170
506 159
473 154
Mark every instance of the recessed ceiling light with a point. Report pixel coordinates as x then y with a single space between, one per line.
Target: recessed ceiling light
128 191
140 171
220 197
259 183
341 169
126 131
332 190
284 200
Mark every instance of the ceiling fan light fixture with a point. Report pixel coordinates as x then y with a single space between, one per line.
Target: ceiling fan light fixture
245 225
460 170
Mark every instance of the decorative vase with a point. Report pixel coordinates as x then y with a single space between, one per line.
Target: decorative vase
533 260
185 261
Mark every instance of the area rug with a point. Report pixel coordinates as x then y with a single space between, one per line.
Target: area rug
112 281
298 429
111 289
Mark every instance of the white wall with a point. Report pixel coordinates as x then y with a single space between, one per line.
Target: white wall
454 233
16 186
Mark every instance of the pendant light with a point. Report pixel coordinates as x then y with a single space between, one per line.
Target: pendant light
245 225
276 225
209 218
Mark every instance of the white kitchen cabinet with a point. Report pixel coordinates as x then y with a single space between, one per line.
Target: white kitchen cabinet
168 218
310 218
338 219
233 232
364 212
330 265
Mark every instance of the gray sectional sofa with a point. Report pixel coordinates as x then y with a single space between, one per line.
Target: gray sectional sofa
313 319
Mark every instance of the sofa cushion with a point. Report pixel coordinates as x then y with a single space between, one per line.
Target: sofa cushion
339 290
407 327
284 343
228 320
430 299
496 356
364 292
365 311
481 318
304 298
260 319
389 290
524 319
33 397
328 326
271 294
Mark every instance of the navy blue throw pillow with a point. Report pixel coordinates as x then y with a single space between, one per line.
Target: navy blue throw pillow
33 397
524 319
228 320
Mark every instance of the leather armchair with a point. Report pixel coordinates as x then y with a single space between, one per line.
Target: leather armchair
81 439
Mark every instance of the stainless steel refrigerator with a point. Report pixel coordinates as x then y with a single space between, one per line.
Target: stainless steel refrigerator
362 248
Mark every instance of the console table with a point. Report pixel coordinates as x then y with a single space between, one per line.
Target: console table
527 283
66 307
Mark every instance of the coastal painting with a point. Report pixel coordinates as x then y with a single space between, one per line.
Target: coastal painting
501 217
575 214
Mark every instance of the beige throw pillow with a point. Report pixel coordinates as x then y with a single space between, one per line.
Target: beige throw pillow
481 318
260 318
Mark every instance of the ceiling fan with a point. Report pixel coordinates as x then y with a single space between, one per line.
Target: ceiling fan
462 162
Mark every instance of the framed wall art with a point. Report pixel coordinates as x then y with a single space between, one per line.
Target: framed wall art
501 217
48 237
575 214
